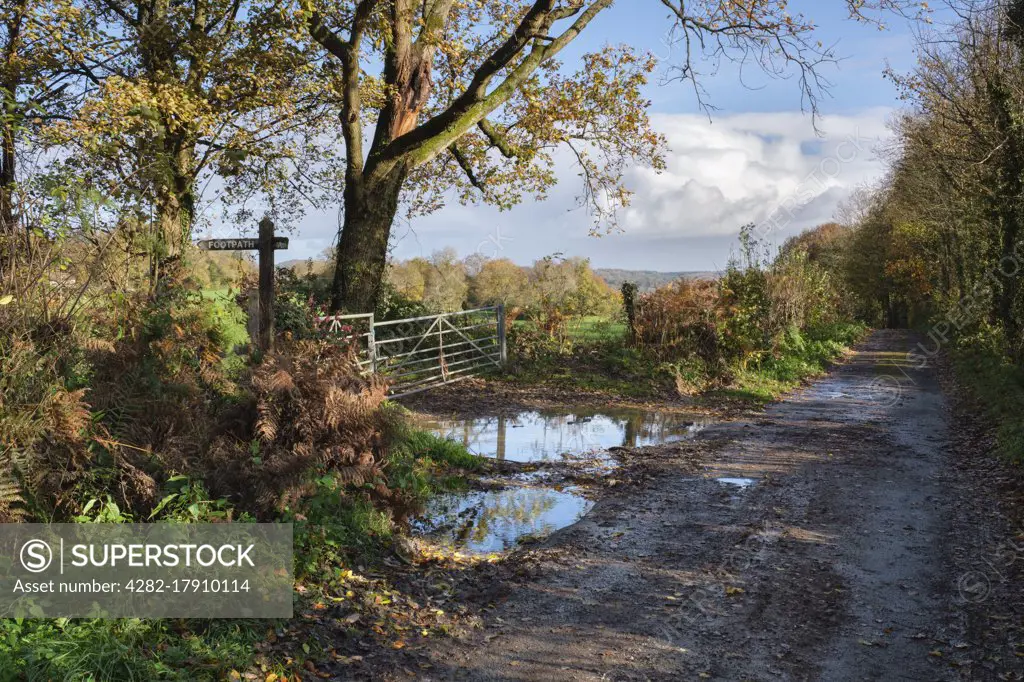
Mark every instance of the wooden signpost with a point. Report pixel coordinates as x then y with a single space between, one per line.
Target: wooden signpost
266 244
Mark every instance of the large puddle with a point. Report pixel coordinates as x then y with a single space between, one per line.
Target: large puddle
543 436
494 521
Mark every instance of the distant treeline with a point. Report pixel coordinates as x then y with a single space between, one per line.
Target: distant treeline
646 280
649 280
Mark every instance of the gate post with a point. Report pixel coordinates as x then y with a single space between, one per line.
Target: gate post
502 350
629 290
371 346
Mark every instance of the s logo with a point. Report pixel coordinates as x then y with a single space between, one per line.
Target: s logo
36 556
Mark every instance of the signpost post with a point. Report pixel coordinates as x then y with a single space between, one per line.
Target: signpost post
266 244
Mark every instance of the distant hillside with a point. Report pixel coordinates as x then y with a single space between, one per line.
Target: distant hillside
301 265
646 280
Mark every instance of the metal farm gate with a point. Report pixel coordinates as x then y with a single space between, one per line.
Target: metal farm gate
420 353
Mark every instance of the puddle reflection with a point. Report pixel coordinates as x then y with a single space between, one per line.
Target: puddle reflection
737 482
494 521
539 436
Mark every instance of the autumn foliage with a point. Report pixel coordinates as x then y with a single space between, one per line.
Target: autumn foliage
749 312
311 412
680 318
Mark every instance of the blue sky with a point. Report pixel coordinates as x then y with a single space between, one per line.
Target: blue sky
858 77
758 154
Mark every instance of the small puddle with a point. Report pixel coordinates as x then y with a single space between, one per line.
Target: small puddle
737 482
496 520
542 436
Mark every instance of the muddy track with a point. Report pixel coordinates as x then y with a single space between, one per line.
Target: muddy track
834 563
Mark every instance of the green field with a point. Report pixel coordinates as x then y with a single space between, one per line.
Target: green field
590 328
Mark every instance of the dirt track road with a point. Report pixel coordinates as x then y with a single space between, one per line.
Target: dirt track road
834 564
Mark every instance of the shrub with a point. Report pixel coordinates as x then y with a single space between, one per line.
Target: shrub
679 320
746 325
984 338
43 427
563 289
311 412
528 344
394 305
801 292
182 340
296 316
298 302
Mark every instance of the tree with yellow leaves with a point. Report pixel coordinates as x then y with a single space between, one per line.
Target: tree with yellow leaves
185 91
470 95
39 80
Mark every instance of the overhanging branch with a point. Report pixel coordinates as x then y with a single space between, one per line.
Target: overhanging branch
437 134
466 167
497 139
328 38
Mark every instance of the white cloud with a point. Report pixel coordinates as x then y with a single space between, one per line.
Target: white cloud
721 174
742 168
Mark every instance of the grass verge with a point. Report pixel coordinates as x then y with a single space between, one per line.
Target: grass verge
798 359
997 384
614 368
126 649
337 531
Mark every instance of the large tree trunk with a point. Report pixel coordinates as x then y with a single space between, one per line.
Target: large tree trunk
10 115
370 210
7 178
174 215
174 207
372 193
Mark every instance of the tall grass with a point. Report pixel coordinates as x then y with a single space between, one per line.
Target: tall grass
799 357
124 650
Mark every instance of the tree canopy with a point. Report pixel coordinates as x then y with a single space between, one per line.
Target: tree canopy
387 107
941 235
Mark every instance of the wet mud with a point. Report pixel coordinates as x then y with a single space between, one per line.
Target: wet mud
822 539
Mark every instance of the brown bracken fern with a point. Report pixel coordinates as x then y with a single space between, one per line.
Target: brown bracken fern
314 414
